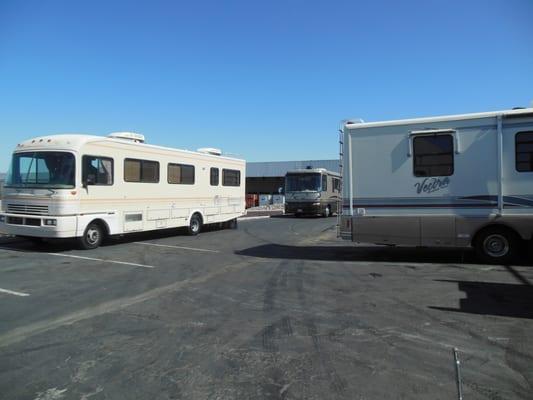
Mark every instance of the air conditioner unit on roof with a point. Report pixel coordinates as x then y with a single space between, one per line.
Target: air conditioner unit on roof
132 136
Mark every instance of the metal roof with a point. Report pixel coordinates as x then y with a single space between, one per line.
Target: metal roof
522 112
280 168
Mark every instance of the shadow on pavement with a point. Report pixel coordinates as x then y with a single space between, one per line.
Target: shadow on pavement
369 253
59 245
489 298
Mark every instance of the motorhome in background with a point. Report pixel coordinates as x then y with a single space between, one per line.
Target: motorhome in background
312 191
89 187
460 180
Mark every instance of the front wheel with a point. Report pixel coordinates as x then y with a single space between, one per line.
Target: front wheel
497 245
195 225
92 237
327 212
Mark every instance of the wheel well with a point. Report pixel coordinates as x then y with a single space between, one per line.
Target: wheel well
102 225
494 226
200 215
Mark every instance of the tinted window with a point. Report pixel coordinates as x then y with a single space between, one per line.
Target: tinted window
524 151
433 155
231 177
181 174
324 183
336 184
214 177
141 171
97 170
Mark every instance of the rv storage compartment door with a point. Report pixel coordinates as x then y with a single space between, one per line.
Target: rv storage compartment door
437 231
387 230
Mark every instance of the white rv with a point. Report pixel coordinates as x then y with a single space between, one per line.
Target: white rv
90 187
460 180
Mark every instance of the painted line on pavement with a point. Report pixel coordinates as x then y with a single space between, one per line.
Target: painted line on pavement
252 218
14 293
177 247
101 260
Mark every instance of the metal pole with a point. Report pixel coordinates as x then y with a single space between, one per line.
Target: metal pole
458 378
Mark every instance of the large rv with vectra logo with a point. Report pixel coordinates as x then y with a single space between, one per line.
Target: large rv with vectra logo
460 180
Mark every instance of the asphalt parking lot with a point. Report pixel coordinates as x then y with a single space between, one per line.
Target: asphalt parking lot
276 309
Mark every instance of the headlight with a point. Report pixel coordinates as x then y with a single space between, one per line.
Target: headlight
50 222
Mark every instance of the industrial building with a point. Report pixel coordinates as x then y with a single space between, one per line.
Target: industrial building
268 177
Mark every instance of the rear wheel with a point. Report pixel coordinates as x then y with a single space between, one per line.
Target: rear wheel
195 225
232 223
92 237
497 245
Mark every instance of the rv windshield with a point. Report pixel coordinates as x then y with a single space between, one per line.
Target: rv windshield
302 182
42 169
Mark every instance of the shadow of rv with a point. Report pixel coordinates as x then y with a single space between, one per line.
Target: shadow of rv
367 253
59 245
489 298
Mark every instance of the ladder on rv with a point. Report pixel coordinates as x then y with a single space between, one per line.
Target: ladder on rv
339 200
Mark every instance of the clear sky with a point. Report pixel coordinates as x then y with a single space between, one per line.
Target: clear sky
265 80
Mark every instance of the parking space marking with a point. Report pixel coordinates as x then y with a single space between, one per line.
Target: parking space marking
101 260
14 293
243 219
177 247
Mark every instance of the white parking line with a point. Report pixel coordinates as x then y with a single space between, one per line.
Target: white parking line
177 247
14 293
101 260
243 219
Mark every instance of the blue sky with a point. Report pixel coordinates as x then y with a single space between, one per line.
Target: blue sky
265 80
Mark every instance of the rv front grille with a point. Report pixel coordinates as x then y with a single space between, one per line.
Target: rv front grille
27 209
24 221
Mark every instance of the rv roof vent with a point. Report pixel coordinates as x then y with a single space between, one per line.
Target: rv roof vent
132 136
519 108
210 150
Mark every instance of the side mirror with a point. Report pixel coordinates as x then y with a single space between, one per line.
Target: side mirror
89 180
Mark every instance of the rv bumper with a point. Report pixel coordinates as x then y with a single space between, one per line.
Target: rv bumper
304 208
45 226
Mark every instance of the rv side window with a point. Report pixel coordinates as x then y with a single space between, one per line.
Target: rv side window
524 151
214 176
97 170
324 183
231 177
433 155
180 174
141 171
336 184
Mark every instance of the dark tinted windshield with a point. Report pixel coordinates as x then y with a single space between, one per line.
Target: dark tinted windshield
302 182
42 169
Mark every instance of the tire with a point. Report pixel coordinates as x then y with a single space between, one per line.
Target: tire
92 237
497 245
195 225
327 212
